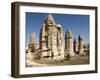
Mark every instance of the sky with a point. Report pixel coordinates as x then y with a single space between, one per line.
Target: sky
77 24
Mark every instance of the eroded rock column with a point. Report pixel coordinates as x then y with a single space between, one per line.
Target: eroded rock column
69 44
80 46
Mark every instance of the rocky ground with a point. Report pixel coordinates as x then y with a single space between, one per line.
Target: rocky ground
75 60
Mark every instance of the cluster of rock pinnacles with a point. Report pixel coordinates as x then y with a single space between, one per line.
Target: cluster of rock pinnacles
52 44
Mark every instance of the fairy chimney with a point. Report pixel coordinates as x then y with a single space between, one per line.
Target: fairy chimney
51 36
32 44
81 45
69 43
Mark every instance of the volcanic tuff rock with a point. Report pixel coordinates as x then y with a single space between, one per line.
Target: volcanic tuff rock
51 39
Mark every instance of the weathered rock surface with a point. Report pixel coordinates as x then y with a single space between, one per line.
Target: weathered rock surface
80 46
52 44
51 39
69 44
33 45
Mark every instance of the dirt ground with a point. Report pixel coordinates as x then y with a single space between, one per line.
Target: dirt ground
75 60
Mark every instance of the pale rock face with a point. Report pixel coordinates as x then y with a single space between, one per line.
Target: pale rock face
69 44
29 58
80 47
29 55
51 36
32 38
44 54
33 44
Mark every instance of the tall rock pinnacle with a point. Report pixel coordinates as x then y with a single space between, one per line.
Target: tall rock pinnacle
51 36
